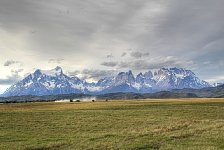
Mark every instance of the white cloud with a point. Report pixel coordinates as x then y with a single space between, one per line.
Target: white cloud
11 62
216 79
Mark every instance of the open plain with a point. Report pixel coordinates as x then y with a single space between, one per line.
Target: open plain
128 124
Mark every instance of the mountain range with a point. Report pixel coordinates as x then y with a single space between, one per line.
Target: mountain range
55 82
208 92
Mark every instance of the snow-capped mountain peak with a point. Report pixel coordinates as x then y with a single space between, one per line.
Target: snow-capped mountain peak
48 82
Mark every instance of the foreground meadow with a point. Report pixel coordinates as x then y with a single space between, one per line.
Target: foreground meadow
137 124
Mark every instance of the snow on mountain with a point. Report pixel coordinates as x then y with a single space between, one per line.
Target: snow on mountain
52 82
45 83
177 78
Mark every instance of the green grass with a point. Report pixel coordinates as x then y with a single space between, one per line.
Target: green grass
150 124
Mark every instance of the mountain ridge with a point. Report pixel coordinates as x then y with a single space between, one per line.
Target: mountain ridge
54 82
209 92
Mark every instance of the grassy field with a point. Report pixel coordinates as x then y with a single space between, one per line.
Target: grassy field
149 124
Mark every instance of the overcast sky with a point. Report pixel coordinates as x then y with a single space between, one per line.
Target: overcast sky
96 38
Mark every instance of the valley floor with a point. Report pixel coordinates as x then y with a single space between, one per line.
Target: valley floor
134 124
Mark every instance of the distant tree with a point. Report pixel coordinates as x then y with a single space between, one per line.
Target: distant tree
93 100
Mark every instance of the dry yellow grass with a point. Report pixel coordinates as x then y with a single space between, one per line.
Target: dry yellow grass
130 124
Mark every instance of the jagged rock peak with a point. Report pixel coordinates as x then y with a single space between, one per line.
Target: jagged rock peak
51 82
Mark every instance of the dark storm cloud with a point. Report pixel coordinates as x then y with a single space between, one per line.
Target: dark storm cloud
11 62
138 54
67 25
73 73
147 65
11 78
109 64
110 56
123 54
97 74
180 26
186 27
